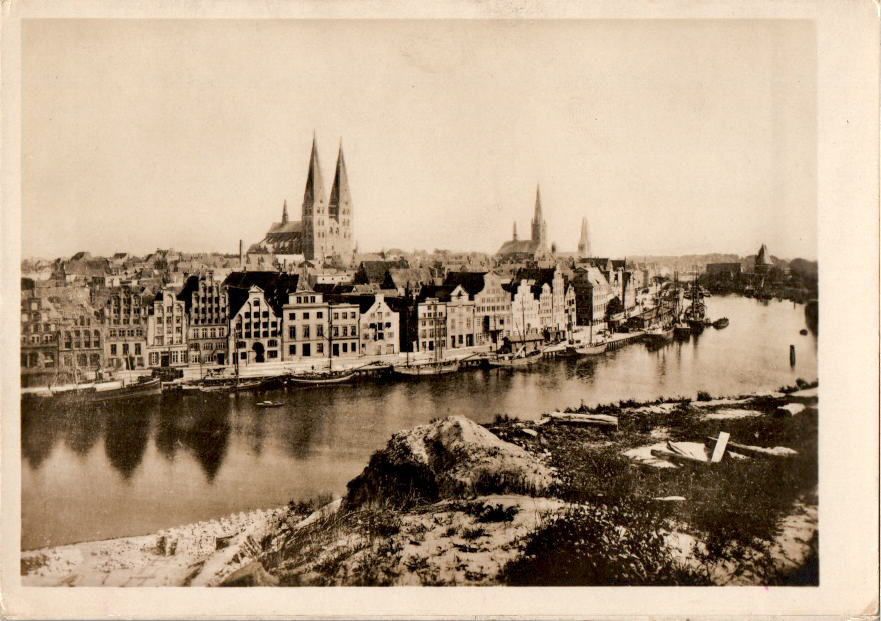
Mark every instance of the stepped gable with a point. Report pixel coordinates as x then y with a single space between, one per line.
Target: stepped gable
275 286
449 458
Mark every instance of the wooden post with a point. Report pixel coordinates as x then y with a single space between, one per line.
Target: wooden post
792 355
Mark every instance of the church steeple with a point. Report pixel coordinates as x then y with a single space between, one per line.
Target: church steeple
584 242
284 212
515 230
313 197
340 201
539 226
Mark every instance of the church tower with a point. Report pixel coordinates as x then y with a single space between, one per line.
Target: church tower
584 242
539 226
315 216
340 212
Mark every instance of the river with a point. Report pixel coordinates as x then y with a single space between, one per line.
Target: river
113 472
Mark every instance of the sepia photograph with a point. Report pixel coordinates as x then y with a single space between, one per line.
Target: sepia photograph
412 302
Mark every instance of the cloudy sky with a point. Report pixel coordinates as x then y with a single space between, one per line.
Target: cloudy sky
671 137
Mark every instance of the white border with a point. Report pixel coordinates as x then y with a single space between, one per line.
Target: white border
848 130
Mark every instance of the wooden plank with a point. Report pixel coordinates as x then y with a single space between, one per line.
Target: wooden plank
719 449
676 457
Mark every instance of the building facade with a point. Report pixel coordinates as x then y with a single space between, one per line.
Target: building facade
124 316
167 331
207 306
39 337
380 326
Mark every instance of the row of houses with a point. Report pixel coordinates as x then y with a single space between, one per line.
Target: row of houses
253 317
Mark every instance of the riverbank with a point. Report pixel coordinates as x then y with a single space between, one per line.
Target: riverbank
517 502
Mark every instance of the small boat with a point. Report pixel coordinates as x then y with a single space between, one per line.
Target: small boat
681 329
660 335
588 350
427 368
697 325
720 323
230 386
513 361
270 404
330 377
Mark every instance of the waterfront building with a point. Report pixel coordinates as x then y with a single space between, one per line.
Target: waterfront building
461 319
536 246
592 294
325 230
39 337
207 307
314 329
124 316
379 325
726 271
554 297
492 304
256 303
431 316
167 331
525 323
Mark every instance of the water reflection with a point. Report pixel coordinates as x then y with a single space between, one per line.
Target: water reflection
197 457
126 437
39 433
201 426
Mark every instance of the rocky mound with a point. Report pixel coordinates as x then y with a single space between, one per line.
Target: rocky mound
448 458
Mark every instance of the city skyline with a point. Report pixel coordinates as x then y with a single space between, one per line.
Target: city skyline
196 151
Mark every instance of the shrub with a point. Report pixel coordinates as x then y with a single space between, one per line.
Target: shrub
702 395
620 545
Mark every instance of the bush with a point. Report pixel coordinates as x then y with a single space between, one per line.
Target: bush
702 395
600 546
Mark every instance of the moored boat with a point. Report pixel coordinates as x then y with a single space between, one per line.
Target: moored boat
330 377
660 335
587 349
513 361
426 368
720 323
681 329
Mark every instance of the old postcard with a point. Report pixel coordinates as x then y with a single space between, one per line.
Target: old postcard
390 296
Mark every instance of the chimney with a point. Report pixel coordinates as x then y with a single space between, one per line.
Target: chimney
241 255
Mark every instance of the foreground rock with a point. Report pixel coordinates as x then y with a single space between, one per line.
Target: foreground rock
450 458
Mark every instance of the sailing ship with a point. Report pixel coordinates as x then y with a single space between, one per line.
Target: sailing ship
587 349
438 366
320 378
519 358
94 392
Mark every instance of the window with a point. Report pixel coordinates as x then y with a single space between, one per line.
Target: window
292 332
305 332
137 349
113 349
354 346
273 353
337 315
154 358
125 349
319 330
319 348
345 348
319 315
305 315
292 315
307 349
266 314
273 343
247 315
292 350
255 302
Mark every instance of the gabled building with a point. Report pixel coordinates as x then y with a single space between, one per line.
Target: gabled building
592 295
492 304
379 325
256 303
207 307
39 337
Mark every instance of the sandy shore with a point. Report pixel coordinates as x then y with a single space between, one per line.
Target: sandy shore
165 558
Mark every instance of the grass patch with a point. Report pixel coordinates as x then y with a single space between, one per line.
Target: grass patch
600 546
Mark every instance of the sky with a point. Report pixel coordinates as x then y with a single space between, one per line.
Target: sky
670 137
